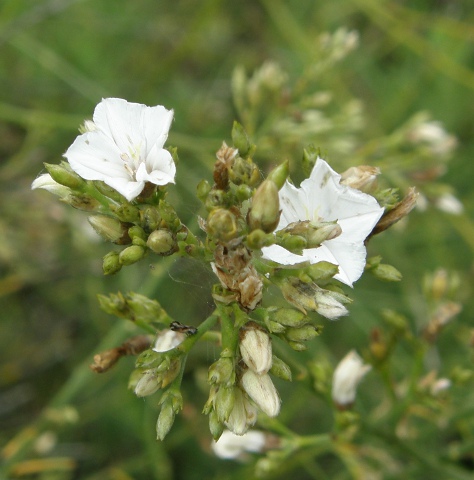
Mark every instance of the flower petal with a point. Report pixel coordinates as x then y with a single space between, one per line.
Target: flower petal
94 157
322 198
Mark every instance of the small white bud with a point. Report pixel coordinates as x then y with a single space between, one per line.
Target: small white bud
149 383
261 390
346 377
167 340
362 177
256 349
243 414
231 446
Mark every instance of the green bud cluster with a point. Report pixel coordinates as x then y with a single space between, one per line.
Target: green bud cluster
135 307
291 325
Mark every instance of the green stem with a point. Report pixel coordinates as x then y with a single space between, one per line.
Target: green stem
206 325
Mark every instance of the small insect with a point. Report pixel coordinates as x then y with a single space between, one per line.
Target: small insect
179 327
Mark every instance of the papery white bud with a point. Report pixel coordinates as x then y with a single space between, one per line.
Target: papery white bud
167 340
46 182
149 383
362 177
256 349
346 377
243 414
261 390
330 304
231 446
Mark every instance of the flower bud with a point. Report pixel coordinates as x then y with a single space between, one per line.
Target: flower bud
330 304
243 414
111 263
256 348
302 334
321 271
297 346
63 175
171 403
222 371
346 377
293 243
314 233
244 171
150 218
309 296
215 426
148 383
165 421
131 255
224 402
222 225
82 201
243 192
261 390
162 242
280 174
232 446
289 317
258 239
203 190
387 273
280 369
128 213
137 232
46 182
169 216
110 229
362 178
241 140
265 211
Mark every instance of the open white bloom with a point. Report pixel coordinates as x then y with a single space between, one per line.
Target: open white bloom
346 377
231 446
123 147
321 197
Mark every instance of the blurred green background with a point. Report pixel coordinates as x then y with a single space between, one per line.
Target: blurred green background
58 58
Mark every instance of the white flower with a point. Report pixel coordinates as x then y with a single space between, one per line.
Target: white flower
322 198
123 147
346 377
231 446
